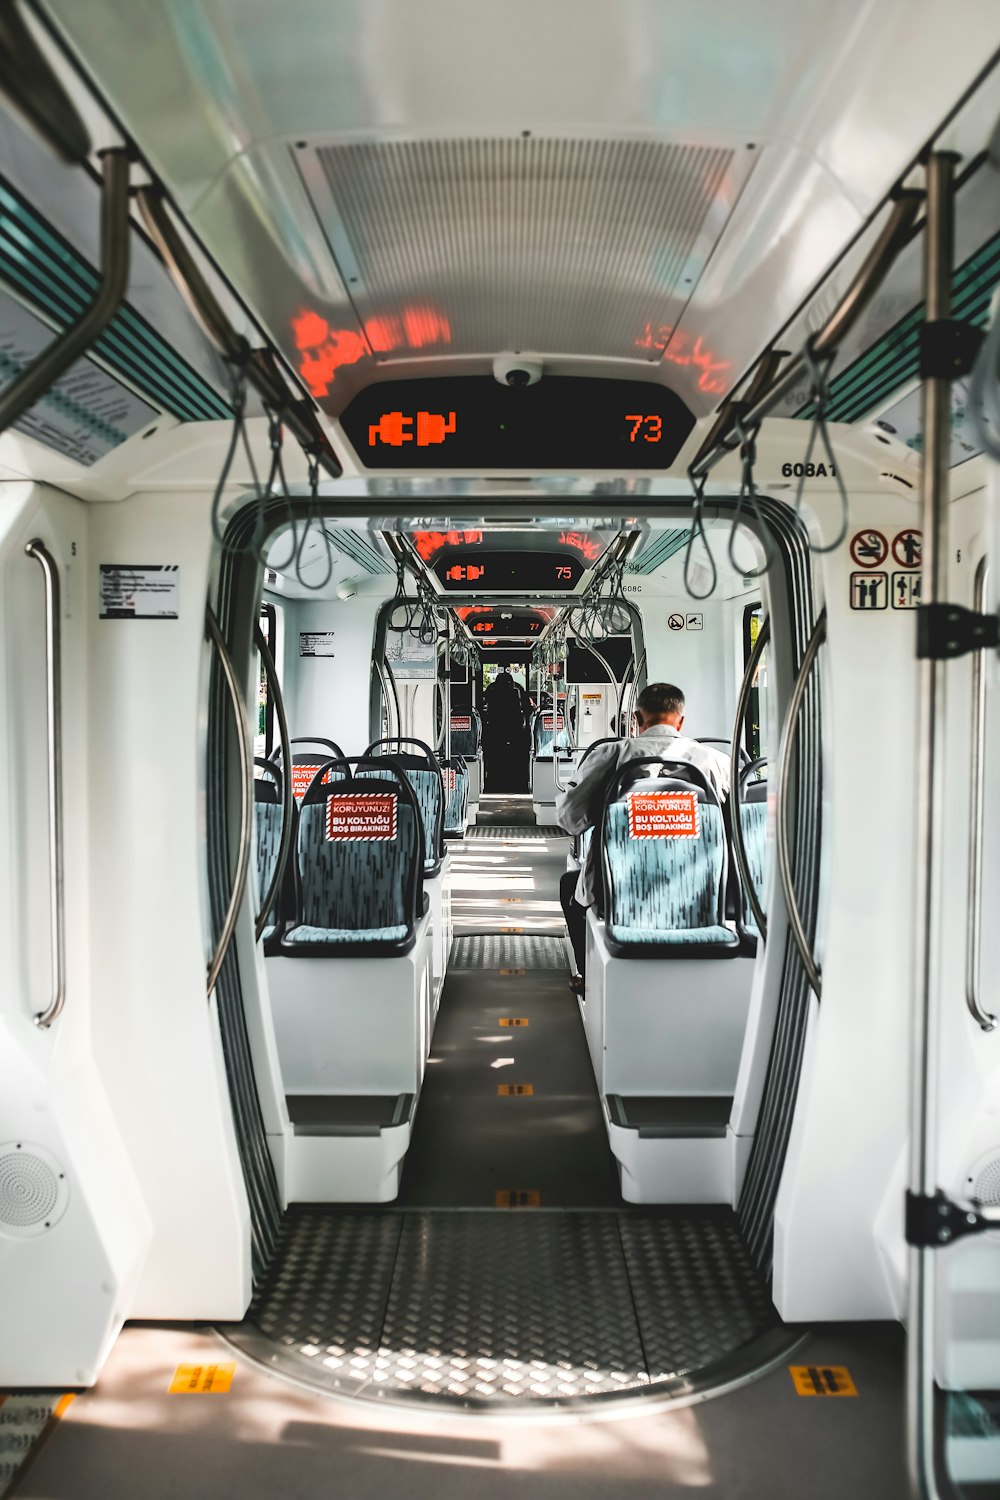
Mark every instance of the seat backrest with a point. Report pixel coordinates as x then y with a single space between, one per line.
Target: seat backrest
548 733
267 819
423 772
663 848
753 822
466 733
456 791
359 849
305 764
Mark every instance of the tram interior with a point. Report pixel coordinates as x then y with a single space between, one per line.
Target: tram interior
499 644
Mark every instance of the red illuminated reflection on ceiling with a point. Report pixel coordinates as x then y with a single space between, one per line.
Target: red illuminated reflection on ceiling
324 350
678 348
590 548
541 612
430 543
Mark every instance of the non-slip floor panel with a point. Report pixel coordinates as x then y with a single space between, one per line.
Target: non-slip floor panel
490 951
493 1309
499 831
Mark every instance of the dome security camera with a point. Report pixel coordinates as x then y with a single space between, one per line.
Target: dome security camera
513 370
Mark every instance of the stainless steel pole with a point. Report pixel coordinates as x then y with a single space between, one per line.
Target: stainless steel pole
938 254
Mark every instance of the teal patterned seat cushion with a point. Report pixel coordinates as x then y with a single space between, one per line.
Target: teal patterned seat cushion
355 886
666 890
675 936
326 935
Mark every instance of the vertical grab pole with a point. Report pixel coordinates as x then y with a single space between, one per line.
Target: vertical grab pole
53 695
938 251
447 692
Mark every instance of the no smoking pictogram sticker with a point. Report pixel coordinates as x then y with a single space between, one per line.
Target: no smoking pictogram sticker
869 549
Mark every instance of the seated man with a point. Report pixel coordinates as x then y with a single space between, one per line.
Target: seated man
659 711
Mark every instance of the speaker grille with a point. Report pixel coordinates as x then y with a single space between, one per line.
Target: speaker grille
32 1190
986 1188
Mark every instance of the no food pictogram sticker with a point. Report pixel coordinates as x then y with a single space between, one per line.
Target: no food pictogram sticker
908 548
869 549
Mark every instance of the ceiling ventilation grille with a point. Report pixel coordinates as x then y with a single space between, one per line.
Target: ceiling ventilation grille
358 550
586 247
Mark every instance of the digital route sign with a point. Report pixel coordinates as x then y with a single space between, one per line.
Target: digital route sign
472 422
503 572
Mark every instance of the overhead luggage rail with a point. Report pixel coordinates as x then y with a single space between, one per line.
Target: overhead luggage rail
68 346
768 387
299 414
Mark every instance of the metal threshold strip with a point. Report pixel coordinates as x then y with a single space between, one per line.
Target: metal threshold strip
500 1312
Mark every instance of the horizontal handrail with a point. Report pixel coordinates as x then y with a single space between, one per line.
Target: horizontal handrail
66 348
739 842
238 706
258 366
763 397
53 694
788 735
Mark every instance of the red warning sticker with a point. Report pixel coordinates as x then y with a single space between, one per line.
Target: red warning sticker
452 779
302 777
663 815
361 815
547 722
461 722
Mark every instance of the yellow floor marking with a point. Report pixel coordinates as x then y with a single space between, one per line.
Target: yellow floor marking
512 929
508 972
513 1020
822 1380
518 1198
64 1403
507 1090
510 901
201 1380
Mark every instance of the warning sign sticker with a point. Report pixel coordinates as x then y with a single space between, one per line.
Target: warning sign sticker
365 816
302 779
908 548
461 722
202 1380
146 591
552 721
663 815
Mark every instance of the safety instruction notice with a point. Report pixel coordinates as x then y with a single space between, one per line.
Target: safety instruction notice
461 723
149 591
316 643
367 816
552 722
663 815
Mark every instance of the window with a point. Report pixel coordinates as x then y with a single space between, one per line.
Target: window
755 724
264 738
